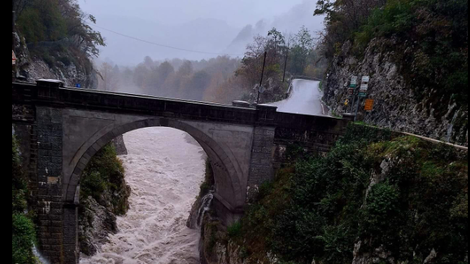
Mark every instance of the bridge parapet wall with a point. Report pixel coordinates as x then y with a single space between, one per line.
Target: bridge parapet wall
130 104
316 134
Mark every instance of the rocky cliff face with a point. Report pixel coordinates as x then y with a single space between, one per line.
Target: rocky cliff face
119 145
396 105
61 66
216 247
97 219
96 222
104 194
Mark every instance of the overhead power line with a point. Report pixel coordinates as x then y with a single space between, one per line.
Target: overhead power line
162 45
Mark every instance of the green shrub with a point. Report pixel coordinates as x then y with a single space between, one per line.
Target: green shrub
381 209
65 60
103 173
42 21
208 183
23 239
320 209
19 182
234 230
23 229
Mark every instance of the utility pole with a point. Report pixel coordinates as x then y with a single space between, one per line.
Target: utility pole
262 74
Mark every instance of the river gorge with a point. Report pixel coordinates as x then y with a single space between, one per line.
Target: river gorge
164 168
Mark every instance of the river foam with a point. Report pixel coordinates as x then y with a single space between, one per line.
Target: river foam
164 168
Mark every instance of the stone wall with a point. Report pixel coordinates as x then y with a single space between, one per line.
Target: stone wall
261 168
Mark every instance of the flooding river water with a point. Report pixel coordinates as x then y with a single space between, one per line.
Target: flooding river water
165 168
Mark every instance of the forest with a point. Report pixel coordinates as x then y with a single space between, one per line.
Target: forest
222 79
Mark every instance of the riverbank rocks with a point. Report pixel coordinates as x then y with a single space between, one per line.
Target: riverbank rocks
119 145
95 224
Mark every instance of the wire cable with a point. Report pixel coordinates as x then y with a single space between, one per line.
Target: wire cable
161 45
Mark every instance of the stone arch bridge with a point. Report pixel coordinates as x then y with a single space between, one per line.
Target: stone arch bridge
60 129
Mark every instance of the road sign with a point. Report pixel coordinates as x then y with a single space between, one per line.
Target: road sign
364 87
351 91
365 79
354 80
369 105
362 94
346 102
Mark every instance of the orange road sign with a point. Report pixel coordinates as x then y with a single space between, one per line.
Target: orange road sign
369 104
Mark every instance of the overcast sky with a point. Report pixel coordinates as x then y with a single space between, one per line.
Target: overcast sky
202 25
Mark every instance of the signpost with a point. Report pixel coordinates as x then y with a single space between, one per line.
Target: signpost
352 89
362 91
353 82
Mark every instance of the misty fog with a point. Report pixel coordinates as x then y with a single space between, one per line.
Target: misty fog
222 27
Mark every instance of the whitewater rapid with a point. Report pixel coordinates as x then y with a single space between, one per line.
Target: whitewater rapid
165 168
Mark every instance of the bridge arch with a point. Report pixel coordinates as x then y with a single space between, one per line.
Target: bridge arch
228 185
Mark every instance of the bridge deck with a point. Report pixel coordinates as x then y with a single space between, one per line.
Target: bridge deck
50 95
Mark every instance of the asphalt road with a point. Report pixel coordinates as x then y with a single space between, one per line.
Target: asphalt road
305 98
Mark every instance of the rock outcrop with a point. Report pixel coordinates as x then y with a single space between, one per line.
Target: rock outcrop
396 106
103 195
60 65
119 145
96 222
